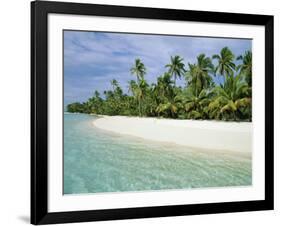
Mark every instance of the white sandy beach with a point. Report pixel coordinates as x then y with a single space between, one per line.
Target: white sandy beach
211 135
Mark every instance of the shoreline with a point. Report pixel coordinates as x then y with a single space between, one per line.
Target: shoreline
209 135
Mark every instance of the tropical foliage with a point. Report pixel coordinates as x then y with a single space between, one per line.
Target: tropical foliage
201 96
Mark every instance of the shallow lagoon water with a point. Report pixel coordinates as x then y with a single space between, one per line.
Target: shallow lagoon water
97 161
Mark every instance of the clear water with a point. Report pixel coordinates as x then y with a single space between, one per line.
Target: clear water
97 161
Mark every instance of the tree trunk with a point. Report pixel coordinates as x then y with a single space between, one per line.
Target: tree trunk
139 108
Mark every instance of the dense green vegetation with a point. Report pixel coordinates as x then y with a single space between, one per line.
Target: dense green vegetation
200 98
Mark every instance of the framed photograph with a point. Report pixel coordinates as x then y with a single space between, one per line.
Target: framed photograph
144 112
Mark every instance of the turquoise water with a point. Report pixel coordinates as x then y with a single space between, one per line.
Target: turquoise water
97 161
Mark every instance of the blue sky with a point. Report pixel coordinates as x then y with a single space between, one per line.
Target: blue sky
93 59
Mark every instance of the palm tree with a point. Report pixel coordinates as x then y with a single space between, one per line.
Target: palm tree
195 105
226 64
138 69
97 94
164 86
132 87
176 67
114 84
200 99
95 102
198 74
141 92
169 107
138 91
168 104
232 101
246 67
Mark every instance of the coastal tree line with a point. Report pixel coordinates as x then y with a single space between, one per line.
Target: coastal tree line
199 98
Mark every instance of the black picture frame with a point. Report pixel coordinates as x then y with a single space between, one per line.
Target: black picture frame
39 112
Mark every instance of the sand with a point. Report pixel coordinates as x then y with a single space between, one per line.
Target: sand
211 135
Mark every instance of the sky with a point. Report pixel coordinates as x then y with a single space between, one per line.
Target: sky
93 59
